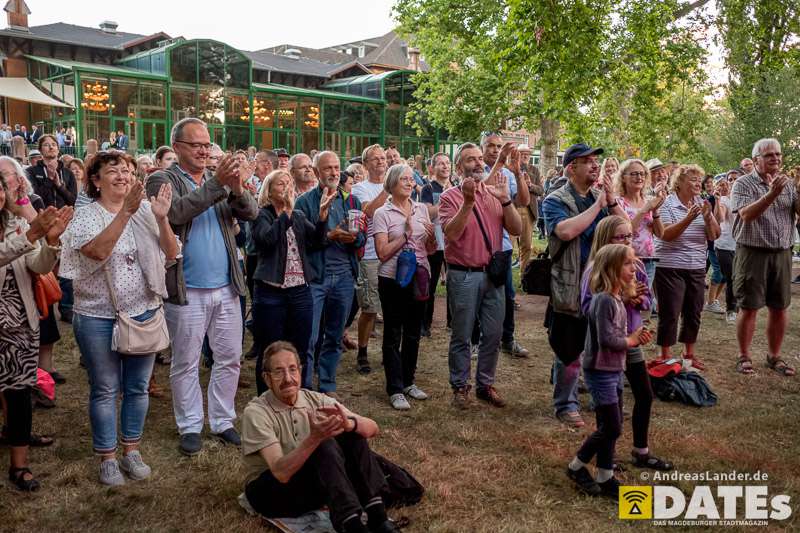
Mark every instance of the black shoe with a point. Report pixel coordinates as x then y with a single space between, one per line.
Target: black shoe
362 365
252 354
17 478
387 527
66 316
610 488
57 377
229 436
191 444
584 480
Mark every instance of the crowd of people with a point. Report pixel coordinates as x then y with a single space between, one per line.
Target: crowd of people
187 237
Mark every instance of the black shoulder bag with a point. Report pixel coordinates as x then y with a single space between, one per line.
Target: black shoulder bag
536 278
497 269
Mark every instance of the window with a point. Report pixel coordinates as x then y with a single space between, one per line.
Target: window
183 63
361 51
183 103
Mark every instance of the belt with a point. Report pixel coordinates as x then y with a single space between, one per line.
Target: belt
463 268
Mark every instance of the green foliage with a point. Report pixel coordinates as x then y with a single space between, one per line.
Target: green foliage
760 37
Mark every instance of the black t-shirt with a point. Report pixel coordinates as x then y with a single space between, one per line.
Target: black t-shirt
430 193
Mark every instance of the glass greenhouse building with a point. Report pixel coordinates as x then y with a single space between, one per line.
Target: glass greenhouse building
146 93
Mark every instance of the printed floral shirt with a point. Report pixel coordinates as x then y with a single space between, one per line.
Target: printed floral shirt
642 241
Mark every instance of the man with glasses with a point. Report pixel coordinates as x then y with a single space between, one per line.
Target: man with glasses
571 214
206 282
303 450
765 203
302 172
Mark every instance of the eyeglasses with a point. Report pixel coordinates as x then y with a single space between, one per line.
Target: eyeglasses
625 237
196 146
776 155
636 174
278 373
407 179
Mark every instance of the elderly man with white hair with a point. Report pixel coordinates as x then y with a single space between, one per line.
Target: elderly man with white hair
764 203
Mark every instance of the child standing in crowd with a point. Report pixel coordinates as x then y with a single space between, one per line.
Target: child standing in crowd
617 230
613 278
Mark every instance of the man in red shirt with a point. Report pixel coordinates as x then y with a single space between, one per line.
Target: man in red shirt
473 217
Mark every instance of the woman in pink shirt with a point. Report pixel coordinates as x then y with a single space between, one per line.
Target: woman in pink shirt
398 225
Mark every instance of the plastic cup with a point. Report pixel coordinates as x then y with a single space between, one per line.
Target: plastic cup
354 220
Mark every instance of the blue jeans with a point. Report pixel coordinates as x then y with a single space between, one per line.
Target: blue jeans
650 269
508 320
333 297
565 386
716 271
471 296
280 314
110 372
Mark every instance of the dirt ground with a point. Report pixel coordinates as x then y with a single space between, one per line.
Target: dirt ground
485 469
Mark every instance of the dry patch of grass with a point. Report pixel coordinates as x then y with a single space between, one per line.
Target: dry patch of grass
485 469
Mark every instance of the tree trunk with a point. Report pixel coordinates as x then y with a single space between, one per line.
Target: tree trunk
549 148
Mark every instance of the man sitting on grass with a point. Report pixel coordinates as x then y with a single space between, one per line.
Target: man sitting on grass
304 450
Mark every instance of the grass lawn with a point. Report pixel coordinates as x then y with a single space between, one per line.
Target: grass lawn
485 469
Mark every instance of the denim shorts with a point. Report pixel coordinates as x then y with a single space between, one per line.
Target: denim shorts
603 386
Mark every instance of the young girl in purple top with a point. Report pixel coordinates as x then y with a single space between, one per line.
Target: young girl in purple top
617 230
603 359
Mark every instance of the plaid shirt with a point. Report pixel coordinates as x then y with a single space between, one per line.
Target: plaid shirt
774 228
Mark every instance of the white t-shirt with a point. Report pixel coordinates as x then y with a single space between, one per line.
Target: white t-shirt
366 191
726 240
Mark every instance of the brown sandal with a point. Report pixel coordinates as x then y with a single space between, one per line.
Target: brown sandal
745 365
779 365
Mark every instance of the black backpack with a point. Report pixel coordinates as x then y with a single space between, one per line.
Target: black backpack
402 488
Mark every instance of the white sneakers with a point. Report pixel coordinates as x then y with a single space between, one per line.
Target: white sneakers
132 464
399 400
714 307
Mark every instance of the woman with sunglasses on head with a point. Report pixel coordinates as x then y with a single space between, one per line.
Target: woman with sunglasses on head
29 243
630 181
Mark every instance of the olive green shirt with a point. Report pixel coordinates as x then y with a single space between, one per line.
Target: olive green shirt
267 420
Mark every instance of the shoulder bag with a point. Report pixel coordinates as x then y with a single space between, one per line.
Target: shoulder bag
131 337
497 269
536 278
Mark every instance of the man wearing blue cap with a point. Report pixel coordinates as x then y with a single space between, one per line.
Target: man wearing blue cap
571 214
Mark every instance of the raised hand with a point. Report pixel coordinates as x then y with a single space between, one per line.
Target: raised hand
429 233
409 226
777 184
506 151
514 161
342 236
694 211
325 202
160 204
134 198
706 208
51 169
228 174
40 225
468 190
499 189
59 225
657 201
324 426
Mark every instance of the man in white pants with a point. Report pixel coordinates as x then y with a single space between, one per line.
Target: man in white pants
205 284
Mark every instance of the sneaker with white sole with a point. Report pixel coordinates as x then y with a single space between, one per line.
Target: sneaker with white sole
399 402
714 307
110 474
415 392
244 503
133 465
730 318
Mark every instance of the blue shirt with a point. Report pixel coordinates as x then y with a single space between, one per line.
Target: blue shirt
205 259
554 211
512 189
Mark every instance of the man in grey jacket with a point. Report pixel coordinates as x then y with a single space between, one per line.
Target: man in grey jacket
205 284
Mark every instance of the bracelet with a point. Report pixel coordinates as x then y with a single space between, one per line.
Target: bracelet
355 423
506 204
23 201
656 217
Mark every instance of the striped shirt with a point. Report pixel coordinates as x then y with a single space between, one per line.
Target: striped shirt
689 249
774 228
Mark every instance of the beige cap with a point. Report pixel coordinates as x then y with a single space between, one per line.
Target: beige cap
653 164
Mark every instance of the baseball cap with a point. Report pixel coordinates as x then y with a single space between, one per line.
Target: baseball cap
579 150
281 152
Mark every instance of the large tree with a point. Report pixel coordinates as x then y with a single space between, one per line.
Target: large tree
591 65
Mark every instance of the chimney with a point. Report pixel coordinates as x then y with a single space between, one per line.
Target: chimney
18 13
413 58
109 26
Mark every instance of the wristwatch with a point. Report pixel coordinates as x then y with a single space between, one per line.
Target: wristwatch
506 204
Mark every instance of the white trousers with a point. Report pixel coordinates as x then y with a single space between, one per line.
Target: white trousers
215 312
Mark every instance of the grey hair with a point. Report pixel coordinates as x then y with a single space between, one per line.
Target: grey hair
762 144
297 156
355 168
177 129
19 172
318 158
393 176
486 134
459 150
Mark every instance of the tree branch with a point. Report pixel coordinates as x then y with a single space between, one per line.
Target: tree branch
685 9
